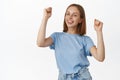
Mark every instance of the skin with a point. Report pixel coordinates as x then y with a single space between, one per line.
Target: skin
72 19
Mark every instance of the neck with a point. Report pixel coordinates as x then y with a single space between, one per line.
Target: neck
71 30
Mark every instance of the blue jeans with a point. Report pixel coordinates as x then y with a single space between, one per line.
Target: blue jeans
82 74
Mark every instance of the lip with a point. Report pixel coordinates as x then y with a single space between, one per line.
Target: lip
70 21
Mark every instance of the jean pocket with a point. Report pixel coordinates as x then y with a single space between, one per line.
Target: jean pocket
85 75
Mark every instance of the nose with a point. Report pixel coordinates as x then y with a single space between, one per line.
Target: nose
70 16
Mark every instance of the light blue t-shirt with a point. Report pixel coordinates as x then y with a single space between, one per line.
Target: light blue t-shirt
71 51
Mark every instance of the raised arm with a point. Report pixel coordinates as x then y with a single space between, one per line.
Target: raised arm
99 52
41 40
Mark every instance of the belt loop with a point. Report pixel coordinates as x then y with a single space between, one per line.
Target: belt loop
72 75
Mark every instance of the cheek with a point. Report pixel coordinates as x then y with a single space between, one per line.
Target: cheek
77 20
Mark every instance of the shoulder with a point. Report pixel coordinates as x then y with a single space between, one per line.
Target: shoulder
57 33
85 37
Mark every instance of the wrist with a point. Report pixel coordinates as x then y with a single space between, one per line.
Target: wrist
45 18
98 31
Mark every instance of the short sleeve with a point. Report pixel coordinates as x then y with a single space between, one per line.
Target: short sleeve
88 44
53 36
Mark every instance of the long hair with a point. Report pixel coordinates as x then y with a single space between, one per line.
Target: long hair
81 28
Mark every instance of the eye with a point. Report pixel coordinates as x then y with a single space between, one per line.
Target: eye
75 15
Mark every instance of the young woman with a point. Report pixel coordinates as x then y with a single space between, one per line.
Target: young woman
72 46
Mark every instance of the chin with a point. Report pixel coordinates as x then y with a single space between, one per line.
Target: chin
70 26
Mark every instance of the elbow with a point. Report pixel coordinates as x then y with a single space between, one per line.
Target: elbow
101 59
40 44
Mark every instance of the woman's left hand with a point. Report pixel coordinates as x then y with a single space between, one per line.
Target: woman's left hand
98 25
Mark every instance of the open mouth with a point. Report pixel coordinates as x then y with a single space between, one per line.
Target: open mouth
70 21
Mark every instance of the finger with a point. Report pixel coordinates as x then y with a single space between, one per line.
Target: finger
97 22
49 9
101 23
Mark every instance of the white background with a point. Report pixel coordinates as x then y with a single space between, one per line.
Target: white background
21 59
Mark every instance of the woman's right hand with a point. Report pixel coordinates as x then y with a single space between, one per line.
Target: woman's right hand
48 12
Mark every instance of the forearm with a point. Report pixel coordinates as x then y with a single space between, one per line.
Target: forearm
100 46
42 32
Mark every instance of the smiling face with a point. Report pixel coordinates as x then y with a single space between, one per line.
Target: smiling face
75 20
72 17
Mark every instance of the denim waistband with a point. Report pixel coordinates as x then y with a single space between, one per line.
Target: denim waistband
82 74
72 75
